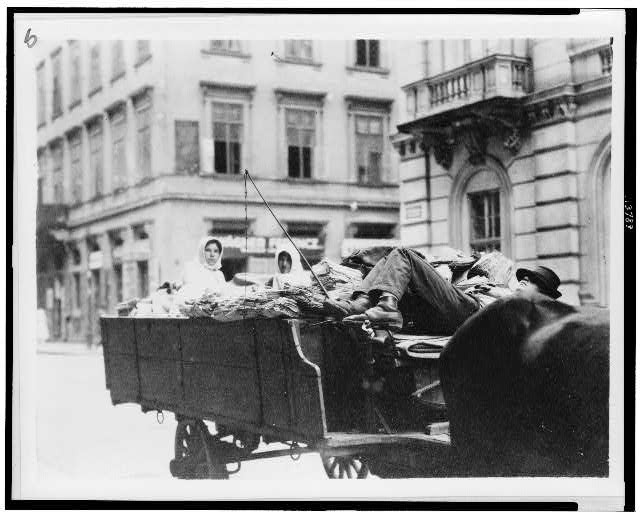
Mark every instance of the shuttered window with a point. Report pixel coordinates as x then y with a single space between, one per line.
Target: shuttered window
187 147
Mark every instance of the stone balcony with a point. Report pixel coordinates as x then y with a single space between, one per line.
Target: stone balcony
502 76
469 103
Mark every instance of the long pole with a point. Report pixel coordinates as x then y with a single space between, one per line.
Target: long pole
246 173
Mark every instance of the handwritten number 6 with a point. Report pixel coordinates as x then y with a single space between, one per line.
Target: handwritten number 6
30 39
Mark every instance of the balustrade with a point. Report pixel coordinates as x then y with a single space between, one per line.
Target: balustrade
497 75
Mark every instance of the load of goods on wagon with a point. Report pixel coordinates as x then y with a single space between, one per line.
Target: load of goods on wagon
247 296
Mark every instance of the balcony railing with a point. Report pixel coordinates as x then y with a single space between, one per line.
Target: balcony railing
591 61
493 76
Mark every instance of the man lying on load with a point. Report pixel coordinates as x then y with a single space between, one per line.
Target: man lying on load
403 285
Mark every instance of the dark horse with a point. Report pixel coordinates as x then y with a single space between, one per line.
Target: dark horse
526 384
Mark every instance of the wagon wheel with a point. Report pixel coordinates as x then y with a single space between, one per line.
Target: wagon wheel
193 453
345 467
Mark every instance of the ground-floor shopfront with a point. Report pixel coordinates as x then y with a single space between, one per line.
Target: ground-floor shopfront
116 258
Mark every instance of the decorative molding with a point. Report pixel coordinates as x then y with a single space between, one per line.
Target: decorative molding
292 95
363 102
227 88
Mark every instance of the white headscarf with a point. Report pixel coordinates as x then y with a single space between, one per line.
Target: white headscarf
200 257
200 277
297 276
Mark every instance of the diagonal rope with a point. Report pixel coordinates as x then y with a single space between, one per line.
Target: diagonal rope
246 174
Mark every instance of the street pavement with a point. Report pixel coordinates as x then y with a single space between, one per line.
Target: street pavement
81 435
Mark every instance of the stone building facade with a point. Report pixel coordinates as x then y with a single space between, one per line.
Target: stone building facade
142 145
505 144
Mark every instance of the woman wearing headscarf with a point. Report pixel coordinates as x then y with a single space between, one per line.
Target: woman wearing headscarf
202 274
289 270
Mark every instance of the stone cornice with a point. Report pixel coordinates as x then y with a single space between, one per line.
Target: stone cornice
560 103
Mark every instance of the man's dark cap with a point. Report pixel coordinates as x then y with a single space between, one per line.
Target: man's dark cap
545 278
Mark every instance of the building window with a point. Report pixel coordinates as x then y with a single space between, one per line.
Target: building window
76 77
95 158
95 79
225 45
479 209
56 103
187 148
143 279
143 136
75 152
227 137
484 222
117 60
143 50
298 49
42 99
300 127
42 173
57 173
368 53
369 149
118 149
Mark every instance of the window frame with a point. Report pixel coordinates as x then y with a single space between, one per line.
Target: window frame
95 133
75 74
381 108
142 54
293 47
228 142
367 52
225 93
57 171
75 166
496 178
41 86
118 62
301 154
303 100
143 112
118 120
489 226
56 79
367 136
95 68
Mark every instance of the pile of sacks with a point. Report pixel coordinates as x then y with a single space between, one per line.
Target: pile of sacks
251 300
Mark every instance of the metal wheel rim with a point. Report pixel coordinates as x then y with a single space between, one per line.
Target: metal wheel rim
345 467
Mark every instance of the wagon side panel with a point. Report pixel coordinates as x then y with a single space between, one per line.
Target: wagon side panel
220 370
158 343
121 360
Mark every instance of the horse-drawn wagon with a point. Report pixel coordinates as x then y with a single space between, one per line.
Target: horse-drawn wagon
363 400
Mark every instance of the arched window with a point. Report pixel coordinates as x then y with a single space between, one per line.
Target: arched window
480 209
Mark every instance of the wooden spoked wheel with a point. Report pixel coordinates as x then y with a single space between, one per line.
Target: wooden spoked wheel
193 452
345 467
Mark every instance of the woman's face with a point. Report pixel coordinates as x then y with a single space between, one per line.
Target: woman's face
284 262
211 253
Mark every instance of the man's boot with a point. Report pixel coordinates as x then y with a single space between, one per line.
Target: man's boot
384 314
343 308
